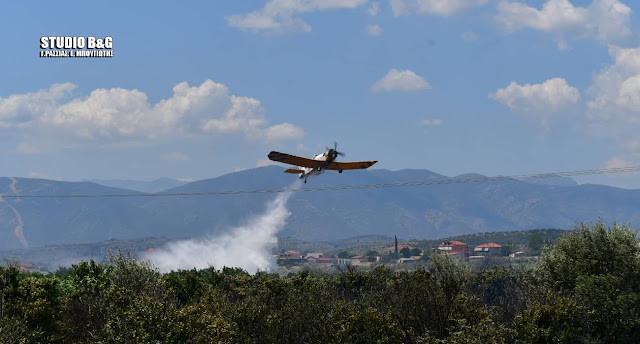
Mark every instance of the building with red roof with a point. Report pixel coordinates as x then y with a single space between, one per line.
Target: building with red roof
490 247
290 254
322 260
454 248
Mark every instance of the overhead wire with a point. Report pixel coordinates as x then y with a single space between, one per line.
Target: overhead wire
614 170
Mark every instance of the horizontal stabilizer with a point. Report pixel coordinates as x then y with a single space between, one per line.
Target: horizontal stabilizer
293 170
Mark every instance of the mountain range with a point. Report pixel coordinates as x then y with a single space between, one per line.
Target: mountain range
421 212
156 185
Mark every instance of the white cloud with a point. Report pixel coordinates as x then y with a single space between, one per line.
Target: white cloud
185 180
279 16
431 122
244 115
374 30
615 90
400 80
442 8
553 95
619 162
613 109
374 9
20 109
120 115
175 156
604 20
283 132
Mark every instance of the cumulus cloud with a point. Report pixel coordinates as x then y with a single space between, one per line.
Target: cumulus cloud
18 109
400 80
374 30
280 16
613 109
283 132
122 115
442 8
431 122
615 90
607 21
552 95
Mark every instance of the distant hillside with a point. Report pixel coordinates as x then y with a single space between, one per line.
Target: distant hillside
553 181
317 246
502 238
141 186
49 258
420 212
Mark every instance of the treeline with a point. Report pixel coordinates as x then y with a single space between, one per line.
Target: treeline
586 289
518 238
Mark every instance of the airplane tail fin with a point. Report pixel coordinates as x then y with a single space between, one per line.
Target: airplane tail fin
293 170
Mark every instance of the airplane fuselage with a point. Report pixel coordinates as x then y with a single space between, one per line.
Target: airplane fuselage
308 171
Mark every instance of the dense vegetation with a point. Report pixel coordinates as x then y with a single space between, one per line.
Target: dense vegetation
586 288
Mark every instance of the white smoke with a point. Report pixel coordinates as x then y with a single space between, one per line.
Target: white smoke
248 247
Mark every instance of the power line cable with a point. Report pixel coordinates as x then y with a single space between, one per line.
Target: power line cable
629 169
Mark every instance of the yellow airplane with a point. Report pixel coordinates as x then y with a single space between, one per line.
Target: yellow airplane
319 163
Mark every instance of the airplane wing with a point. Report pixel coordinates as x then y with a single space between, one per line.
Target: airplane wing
293 170
355 165
294 160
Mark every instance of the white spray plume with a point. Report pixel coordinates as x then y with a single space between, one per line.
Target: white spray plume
247 247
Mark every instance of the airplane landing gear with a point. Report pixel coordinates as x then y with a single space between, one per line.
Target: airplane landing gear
340 171
319 168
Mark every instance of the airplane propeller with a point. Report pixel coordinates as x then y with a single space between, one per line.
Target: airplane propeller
333 152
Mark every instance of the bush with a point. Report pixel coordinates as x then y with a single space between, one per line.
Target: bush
599 268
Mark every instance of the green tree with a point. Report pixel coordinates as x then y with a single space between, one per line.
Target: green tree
137 310
600 268
84 305
405 252
506 250
416 251
535 241
503 290
343 254
556 321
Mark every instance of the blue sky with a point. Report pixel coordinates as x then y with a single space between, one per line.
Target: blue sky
199 89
